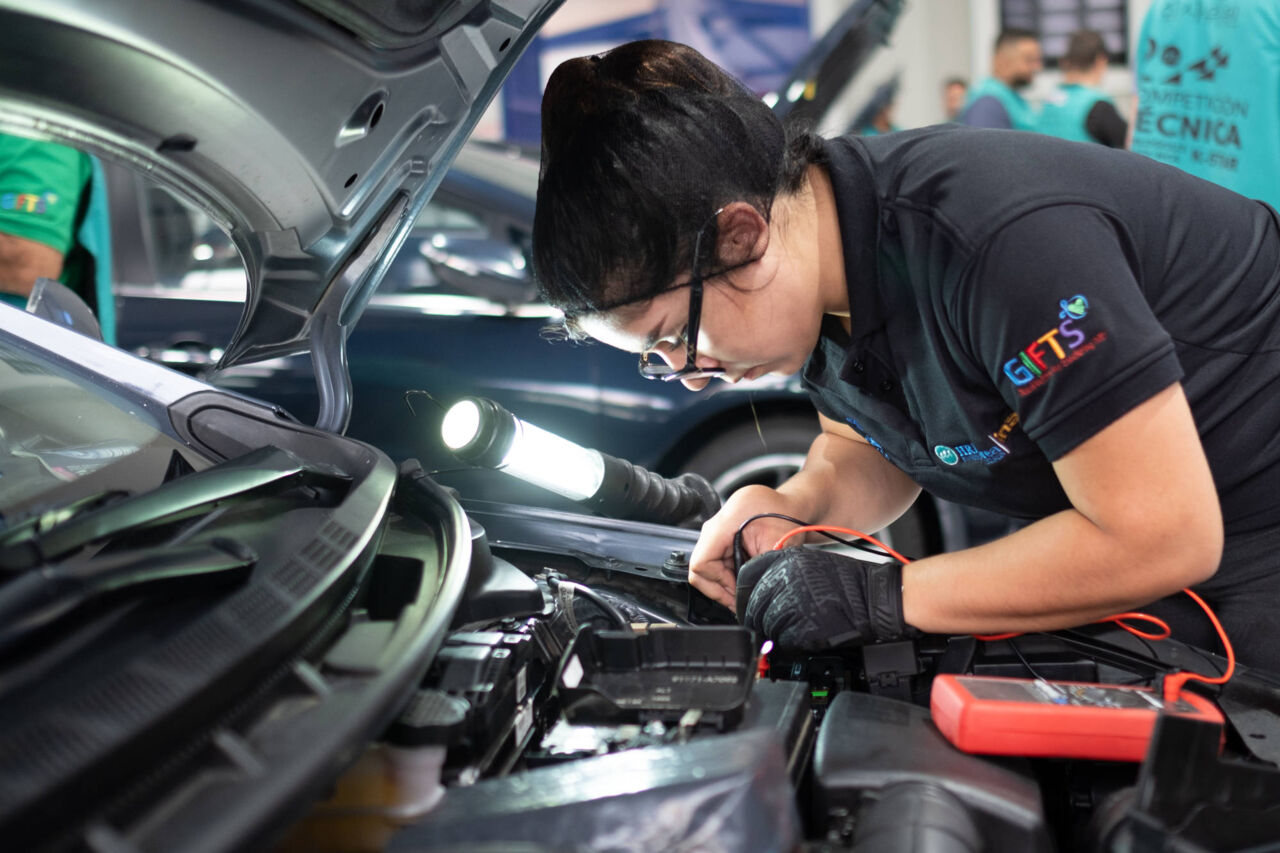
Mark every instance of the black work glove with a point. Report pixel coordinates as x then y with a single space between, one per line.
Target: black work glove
815 600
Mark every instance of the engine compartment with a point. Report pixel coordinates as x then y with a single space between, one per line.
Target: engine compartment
587 698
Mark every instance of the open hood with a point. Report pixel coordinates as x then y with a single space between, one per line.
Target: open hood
829 68
312 130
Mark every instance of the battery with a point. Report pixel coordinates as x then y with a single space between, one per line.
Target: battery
1054 719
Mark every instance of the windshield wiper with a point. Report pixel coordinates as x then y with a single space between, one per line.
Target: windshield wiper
35 599
266 471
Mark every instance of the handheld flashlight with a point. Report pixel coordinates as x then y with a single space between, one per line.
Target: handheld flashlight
479 431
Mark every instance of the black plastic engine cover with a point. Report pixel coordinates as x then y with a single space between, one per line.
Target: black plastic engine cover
722 791
868 743
727 792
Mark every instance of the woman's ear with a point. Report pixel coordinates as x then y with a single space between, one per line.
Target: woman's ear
744 234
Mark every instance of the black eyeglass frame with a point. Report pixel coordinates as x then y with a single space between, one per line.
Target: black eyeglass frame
660 370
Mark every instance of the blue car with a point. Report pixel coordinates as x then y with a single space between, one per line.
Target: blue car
457 314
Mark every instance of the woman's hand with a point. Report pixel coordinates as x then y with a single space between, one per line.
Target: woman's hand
844 481
711 568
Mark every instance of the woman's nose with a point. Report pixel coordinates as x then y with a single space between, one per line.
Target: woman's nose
674 356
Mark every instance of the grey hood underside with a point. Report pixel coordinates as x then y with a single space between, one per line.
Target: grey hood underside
313 131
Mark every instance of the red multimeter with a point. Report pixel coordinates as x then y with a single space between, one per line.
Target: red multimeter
1054 719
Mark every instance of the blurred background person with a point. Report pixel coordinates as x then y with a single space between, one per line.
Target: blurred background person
877 116
996 102
955 91
1208 80
54 224
1079 110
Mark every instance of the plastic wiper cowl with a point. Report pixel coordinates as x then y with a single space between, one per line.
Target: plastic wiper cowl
41 596
268 470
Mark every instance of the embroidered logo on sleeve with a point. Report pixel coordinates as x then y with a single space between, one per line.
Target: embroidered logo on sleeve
28 202
1057 348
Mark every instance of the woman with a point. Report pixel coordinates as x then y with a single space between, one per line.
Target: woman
1050 330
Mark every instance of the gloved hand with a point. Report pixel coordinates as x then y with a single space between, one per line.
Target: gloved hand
815 600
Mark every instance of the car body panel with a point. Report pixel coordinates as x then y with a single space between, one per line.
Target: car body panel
336 173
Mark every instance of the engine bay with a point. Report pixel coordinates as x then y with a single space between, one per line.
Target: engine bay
588 699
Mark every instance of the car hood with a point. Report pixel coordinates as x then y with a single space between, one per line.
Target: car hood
313 130
827 71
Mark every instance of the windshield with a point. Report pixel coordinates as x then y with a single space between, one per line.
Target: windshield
56 429
502 166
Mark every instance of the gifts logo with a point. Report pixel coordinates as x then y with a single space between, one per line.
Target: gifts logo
1051 350
1055 349
28 202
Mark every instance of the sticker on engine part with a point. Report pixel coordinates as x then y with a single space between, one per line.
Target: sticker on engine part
522 683
524 721
573 672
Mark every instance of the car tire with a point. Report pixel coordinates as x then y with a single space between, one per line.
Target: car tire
738 457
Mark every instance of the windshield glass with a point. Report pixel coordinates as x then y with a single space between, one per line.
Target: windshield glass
56 428
500 165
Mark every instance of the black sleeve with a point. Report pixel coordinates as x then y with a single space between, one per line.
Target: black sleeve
1105 124
1053 312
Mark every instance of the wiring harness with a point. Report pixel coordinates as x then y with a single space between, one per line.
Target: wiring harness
1173 683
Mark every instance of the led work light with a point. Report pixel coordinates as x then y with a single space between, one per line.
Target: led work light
481 432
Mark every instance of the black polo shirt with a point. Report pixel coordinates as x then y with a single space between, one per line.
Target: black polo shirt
1012 294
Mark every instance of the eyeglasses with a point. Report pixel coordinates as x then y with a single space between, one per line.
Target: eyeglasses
658 369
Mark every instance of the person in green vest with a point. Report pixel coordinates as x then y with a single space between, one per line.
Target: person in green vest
877 116
995 102
54 224
1208 79
955 93
1079 110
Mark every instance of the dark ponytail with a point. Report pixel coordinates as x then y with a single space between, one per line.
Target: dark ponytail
804 148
